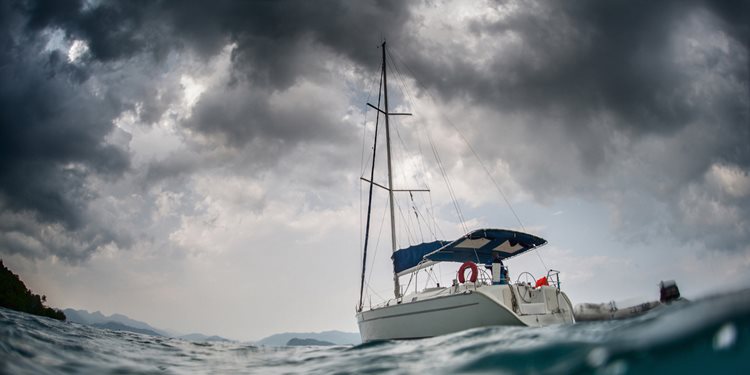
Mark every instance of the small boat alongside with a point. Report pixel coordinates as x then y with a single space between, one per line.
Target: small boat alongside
668 293
486 298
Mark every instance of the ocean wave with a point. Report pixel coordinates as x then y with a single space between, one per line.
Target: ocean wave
710 334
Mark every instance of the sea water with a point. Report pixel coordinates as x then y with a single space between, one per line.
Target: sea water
710 335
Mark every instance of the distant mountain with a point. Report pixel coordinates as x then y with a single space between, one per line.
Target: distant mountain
308 342
121 322
72 316
334 337
201 337
121 327
98 319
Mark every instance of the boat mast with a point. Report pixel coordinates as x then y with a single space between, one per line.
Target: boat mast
396 287
391 190
369 203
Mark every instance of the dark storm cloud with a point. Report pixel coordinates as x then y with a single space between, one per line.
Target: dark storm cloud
580 58
48 124
244 118
560 67
266 32
58 114
52 133
113 30
602 86
274 42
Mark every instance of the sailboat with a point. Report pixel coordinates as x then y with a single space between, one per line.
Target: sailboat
485 298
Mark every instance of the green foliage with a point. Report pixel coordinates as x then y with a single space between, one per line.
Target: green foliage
15 296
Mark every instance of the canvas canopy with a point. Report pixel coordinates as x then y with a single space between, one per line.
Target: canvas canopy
480 246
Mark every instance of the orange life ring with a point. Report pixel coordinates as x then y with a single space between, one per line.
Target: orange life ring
473 277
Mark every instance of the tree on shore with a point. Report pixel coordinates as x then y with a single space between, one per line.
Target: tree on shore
15 296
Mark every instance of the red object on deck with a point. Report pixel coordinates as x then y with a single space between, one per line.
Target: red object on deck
541 282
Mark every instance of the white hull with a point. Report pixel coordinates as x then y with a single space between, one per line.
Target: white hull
447 310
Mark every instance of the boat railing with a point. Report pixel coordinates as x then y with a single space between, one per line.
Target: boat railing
485 277
553 277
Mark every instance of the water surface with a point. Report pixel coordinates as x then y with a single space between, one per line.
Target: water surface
708 335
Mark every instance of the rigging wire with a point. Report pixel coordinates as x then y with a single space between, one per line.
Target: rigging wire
409 237
466 141
409 283
403 175
433 227
444 174
375 292
448 184
418 129
476 155
433 276
363 163
377 242
431 211
416 214
397 155
441 166
411 102
369 203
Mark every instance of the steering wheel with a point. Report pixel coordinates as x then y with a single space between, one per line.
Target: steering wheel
528 279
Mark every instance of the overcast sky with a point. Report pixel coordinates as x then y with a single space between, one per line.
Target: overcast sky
196 165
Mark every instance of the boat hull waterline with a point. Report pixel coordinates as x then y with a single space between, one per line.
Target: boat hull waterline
465 308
